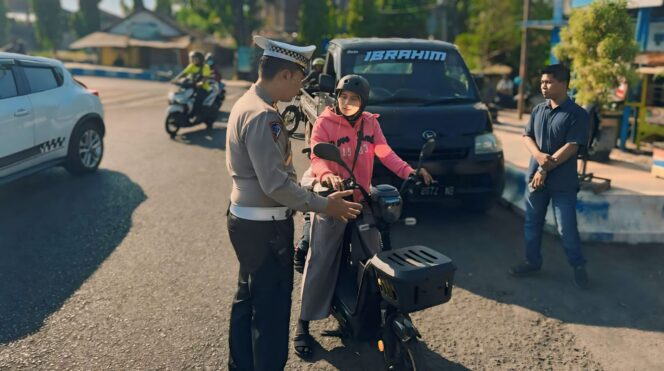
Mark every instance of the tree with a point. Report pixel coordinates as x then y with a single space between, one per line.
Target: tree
138 5
315 23
4 22
492 31
135 6
164 7
88 17
599 45
362 18
49 22
404 18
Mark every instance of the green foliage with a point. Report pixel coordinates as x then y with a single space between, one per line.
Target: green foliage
48 27
87 19
362 18
599 46
404 18
316 21
222 17
164 7
492 30
4 22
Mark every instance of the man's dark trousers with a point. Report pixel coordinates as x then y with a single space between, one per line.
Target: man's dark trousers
260 314
564 208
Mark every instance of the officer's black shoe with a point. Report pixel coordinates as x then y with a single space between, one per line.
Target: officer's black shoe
523 270
300 256
581 277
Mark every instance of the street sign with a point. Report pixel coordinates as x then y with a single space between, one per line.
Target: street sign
655 37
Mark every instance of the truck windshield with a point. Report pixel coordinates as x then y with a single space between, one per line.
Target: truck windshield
420 77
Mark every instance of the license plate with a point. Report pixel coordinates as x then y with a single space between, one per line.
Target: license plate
429 191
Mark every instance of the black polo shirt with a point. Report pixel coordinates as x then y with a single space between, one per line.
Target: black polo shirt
552 128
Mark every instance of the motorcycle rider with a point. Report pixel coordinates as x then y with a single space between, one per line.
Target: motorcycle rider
199 72
214 68
359 138
310 82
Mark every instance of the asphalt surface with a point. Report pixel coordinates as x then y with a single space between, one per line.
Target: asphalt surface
130 268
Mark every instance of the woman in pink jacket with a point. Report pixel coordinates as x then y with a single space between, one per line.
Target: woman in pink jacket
340 125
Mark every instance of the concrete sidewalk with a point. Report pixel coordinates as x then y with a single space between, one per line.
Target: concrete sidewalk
631 211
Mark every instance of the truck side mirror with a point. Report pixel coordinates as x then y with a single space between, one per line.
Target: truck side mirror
326 83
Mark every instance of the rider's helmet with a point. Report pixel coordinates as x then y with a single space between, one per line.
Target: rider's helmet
209 59
358 85
196 57
355 83
318 64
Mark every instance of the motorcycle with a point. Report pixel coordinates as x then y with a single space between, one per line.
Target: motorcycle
180 112
292 115
378 285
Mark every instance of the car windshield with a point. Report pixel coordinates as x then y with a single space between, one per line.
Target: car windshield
415 77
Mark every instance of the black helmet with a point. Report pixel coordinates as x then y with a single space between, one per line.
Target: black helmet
355 83
195 54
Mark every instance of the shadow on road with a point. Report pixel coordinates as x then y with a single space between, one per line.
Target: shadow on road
214 138
363 355
55 230
626 281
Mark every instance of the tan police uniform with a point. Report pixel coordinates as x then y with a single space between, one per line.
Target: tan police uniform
260 224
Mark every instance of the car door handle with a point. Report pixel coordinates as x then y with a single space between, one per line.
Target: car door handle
21 112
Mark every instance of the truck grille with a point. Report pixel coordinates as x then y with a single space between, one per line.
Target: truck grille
446 154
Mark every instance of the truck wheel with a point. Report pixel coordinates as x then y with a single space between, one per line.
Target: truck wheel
86 148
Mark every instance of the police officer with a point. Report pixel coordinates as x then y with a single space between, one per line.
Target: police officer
264 195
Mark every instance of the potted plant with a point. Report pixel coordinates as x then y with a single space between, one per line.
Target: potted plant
598 44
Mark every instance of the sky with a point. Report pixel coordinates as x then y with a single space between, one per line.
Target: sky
111 6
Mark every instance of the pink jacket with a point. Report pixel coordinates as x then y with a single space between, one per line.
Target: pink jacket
335 129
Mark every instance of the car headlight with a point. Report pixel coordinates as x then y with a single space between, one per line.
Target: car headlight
487 143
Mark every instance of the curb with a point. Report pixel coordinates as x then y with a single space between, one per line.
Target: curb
139 75
612 216
117 74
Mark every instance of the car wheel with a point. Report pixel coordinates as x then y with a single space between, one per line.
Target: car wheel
86 149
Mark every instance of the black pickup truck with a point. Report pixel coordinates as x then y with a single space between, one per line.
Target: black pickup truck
421 89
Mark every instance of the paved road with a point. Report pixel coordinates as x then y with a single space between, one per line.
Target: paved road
130 268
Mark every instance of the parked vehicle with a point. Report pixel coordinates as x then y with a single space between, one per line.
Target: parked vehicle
46 119
422 89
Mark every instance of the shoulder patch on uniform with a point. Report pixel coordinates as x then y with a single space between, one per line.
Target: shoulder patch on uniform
275 127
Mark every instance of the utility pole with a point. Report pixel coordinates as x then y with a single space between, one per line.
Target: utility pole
522 62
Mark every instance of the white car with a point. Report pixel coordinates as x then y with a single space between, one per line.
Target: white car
46 119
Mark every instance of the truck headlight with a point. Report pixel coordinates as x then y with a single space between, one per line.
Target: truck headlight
487 143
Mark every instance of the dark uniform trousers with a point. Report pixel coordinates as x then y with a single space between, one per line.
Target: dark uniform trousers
260 313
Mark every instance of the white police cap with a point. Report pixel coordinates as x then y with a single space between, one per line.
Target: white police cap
296 54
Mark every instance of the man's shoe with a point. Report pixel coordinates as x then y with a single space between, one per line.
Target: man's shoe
300 256
523 270
581 277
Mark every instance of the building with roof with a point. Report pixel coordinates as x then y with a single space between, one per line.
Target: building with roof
145 39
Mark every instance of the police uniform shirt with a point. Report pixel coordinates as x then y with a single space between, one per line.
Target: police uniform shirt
259 157
551 129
